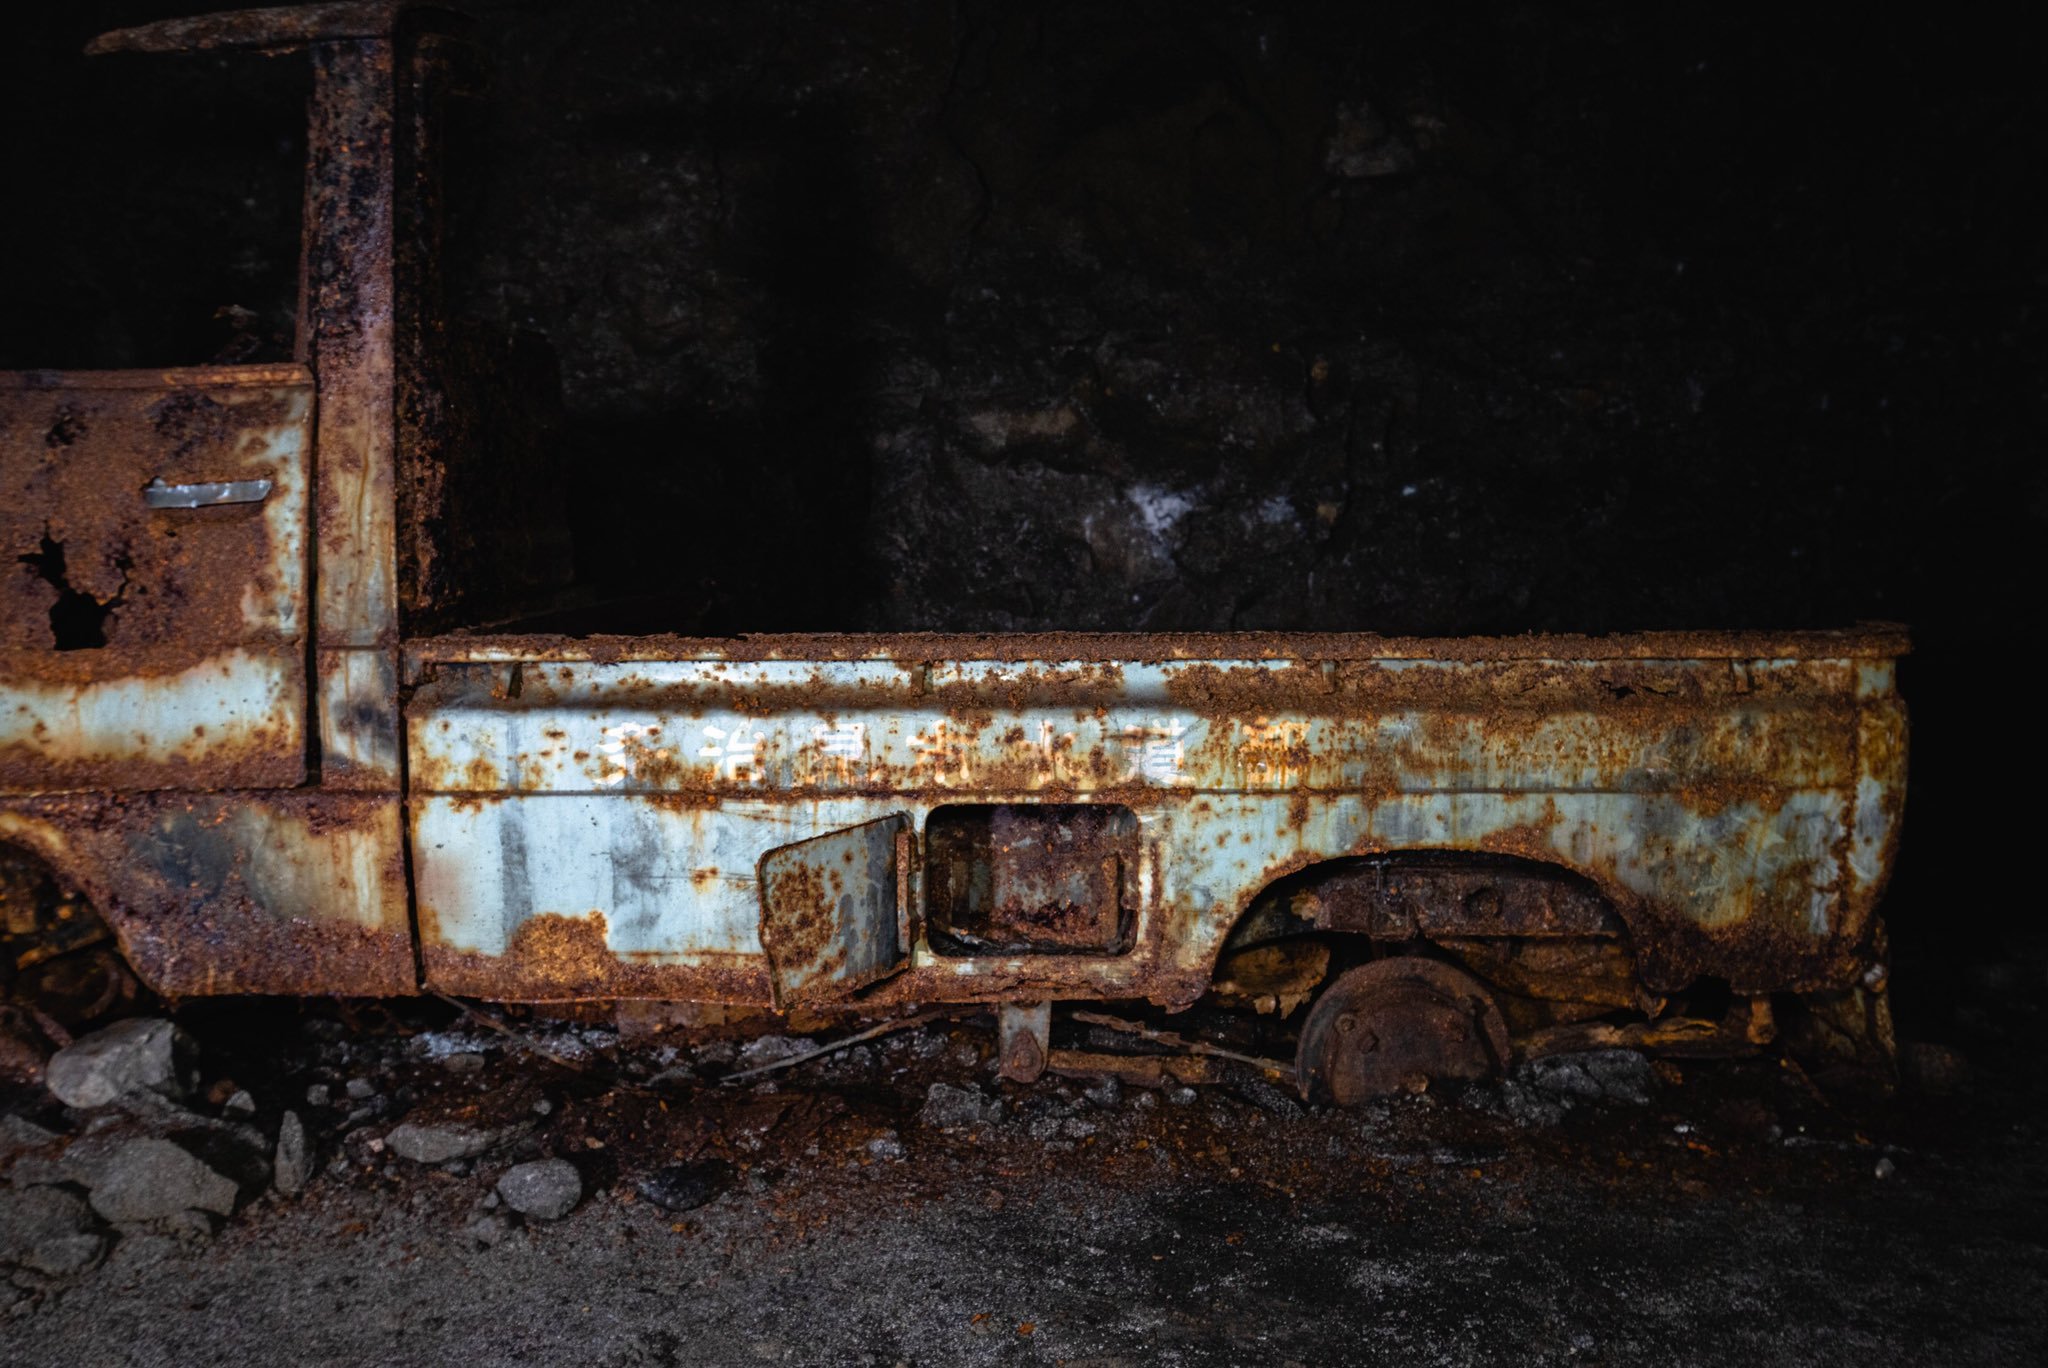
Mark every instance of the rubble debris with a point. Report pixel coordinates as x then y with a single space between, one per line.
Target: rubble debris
49 1230
151 1179
770 1049
293 1164
685 1187
129 1056
523 1041
1274 1101
949 1106
759 1056
1529 1108
544 1189
1620 1076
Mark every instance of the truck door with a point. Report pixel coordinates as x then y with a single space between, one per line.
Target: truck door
153 578
835 911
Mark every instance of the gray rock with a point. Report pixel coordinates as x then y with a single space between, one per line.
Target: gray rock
360 1088
1623 1076
1271 1099
546 1189
79 1162
437 1142
1105 1091
150 1179
143 1054
886 1146
464 1063
770 1048
715 1053
319 1095
488 1229
674 1079
294 1162
228 1145
243 1103
48 1230
685 1187
950 1107
1528 1108
17 1135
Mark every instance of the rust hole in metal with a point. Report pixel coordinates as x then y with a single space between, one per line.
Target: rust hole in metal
1041 878
78 620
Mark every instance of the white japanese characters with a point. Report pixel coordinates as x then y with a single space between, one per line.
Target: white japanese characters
737 752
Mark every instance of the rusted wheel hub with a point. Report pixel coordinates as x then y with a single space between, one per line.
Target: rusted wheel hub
1398 1025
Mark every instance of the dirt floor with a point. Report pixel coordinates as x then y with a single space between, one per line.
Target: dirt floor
895 1203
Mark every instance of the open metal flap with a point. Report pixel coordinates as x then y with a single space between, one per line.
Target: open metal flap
835 911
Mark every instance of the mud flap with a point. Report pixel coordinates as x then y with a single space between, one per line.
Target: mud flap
835 911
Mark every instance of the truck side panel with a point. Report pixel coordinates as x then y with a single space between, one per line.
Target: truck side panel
611 815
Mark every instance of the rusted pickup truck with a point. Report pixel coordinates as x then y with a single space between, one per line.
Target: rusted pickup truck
234 715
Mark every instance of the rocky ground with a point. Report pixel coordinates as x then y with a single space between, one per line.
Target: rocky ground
423 1183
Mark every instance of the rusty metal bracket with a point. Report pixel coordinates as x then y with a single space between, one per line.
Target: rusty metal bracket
1024 1039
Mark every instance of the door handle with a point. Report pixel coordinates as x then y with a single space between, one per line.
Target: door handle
157 494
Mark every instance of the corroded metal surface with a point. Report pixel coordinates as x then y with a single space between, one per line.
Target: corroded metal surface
1737 813
835 911
1024 878
1398 1025
1460 896
347 320
144 646
241 892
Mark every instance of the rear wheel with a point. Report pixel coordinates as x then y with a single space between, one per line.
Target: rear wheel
1398 1025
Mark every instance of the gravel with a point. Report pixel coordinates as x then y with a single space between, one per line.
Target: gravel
48 1230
